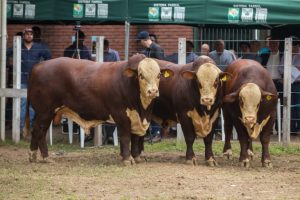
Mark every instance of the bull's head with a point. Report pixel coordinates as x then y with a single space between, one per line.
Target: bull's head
249 96
149 74
209 78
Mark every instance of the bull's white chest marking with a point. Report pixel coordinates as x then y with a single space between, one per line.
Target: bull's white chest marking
138 126
202 125
255 131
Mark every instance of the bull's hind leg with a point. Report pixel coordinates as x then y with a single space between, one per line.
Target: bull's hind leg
228 126
209 156
38 139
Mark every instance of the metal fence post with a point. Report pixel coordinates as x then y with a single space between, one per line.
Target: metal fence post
287 91
16 85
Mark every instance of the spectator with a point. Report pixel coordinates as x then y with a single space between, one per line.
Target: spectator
221 56
244 49
205 49
254 54
295 80
190 55
31 54
152 49
82 52
265 49
153 37
110 55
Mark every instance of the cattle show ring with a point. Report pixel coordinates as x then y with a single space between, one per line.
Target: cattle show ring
133 99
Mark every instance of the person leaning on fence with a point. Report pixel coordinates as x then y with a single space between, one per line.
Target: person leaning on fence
205 49
190 55
31 54
221 56
37 37
72 50
295 80
110 55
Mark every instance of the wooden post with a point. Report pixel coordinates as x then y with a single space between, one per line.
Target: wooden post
287 91
16 85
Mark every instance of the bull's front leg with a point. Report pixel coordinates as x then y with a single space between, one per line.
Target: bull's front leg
137 146
265 157
244 157
125 137
209 156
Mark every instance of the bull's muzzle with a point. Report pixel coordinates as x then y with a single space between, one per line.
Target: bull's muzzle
207 101
153 92
249 121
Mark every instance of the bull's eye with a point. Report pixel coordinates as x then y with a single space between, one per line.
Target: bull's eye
241 103
200 86
141 77
216 83
158 76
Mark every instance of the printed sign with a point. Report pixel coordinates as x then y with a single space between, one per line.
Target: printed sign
247 14
233 15
90 10
77 10
102 10
18 10
29 11
153 13
166 13
261 14
179 13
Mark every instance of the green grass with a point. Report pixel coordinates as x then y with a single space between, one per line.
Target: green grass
170 145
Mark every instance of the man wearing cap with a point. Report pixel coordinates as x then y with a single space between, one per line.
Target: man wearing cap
31 54
80 51
152 49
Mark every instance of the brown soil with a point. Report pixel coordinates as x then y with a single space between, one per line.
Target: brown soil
97 173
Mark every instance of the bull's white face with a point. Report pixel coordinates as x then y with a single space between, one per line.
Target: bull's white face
249 98
149 76
208 77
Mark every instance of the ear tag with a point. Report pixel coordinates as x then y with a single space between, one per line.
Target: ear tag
268 97
166 74
224 78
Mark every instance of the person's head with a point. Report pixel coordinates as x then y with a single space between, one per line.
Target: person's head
144 38
106 45
295 44
36 33
244 47
273 44
254 46
153 37
189 46
219 46
28 35
19 34
205 49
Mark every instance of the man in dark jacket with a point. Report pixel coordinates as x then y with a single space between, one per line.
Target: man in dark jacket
152 49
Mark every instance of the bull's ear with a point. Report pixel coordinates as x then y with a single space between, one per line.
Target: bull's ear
268 96
188 74
224 76
167 73
230 98
130 72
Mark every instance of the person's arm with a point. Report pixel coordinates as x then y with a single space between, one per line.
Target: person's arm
159 54
117 56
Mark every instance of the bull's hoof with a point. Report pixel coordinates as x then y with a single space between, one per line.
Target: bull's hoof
46 160
140 159
250 154
192 162
211 162
245 163
129 162
228 154
32 156
267 164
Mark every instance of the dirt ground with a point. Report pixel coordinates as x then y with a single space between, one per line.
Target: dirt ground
97 173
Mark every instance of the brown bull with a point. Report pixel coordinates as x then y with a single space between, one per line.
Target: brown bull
193 98
250 99
91 93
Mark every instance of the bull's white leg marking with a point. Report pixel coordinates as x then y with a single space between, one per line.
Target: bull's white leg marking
202 125
211 162
228 154
138 126
192 162
250 154
245 163
267 164
129 162
255 131
32 156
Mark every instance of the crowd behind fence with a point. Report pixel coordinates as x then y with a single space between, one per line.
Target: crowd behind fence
14 73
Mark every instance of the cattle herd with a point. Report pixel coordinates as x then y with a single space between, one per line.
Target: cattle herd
131 93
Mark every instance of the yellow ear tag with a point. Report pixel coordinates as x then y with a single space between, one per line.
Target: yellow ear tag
224 78
166 74
268 97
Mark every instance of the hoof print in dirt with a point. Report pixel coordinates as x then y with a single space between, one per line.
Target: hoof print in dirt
211 162
267 164
32 156
245 163
129 162
192 162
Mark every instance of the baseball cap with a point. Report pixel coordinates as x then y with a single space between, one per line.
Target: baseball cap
143 35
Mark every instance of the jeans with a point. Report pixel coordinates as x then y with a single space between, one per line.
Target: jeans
23 110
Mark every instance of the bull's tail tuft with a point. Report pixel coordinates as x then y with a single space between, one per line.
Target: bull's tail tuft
26 129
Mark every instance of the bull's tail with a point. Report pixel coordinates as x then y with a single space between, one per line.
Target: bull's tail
26 129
